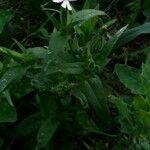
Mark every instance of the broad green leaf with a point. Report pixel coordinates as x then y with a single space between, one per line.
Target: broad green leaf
56 48
46 132
7 112
131 34
28 125
108 47
84 15
137 81
5 17
57 43
11 75
130 77
89 25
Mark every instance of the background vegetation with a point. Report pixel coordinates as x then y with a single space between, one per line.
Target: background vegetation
73 80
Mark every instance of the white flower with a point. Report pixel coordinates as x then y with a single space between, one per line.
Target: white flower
65 3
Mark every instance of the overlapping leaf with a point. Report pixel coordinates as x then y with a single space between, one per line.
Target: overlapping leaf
108 47
136 80
130 77
131 34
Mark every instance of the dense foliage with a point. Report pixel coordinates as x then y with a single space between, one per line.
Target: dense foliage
73 80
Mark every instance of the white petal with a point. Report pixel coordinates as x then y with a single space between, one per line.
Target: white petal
64 4
57 1
69 6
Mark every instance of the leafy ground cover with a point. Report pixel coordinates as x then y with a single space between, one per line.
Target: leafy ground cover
75 75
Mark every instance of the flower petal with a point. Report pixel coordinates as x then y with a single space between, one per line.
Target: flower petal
57 1
64 4
67 5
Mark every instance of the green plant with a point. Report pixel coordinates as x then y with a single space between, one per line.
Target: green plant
56 93
137 113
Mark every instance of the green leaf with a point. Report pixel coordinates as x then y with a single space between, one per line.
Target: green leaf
46 132
89 94
140 103
67 68
80 96
56 48
146 68
100 93
146 13
8 97
85 122
137 81
87 4
89 25
5 17
57 43
22 89
145 75
20 45
7 112
88 124
54 20
84 15
11 75
96 97
15 55
47 104
130 77
144 118
108 47
36 52
124 116
133 33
